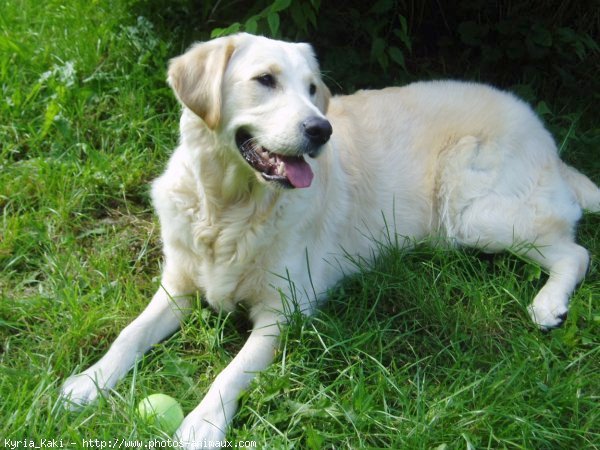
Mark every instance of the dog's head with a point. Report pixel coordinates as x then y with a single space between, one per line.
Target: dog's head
264 98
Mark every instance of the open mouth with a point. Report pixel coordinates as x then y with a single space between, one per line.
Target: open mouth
287 171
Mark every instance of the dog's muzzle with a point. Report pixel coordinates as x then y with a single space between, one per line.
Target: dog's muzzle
290 171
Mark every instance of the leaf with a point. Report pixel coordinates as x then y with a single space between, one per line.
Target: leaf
216 32
52 111
251 25
231 29
314 440
298 16
279 5
403 24
310 14
273 20
542 109
397 56
377 47
589 42
378 52
403 32
533 272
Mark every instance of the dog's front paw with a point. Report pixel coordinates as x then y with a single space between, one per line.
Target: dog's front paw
204 427
79 390
549 310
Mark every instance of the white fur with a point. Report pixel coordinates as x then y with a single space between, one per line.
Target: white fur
460 161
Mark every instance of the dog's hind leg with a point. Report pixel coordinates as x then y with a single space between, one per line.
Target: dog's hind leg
567 264
530 205
159 320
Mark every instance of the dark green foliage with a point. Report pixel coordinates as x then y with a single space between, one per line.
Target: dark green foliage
550 46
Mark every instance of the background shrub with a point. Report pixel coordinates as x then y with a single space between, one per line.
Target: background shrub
550 46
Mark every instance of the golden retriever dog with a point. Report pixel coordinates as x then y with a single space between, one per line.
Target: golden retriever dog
274 182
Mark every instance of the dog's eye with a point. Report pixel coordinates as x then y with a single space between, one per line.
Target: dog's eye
312 89
266 79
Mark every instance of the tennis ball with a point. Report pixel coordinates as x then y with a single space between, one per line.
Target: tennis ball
162 411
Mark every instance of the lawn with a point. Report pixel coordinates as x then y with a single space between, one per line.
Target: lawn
431 349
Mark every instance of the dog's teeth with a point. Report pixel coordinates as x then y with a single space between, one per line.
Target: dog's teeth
280 169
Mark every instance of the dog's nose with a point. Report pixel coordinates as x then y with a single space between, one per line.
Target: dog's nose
317 130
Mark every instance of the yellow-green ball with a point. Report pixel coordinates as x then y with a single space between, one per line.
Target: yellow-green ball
162 411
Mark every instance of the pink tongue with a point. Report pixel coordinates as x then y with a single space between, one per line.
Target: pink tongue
297 171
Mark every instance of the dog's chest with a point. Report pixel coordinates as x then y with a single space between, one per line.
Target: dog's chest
235 253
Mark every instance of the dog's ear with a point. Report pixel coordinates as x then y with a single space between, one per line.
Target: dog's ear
323 92
197 75
323 96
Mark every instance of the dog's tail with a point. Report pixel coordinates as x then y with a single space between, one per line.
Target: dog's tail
587 193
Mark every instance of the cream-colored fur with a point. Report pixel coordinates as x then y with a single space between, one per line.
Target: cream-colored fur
460 162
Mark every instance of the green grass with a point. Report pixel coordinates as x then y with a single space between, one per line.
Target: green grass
427 349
